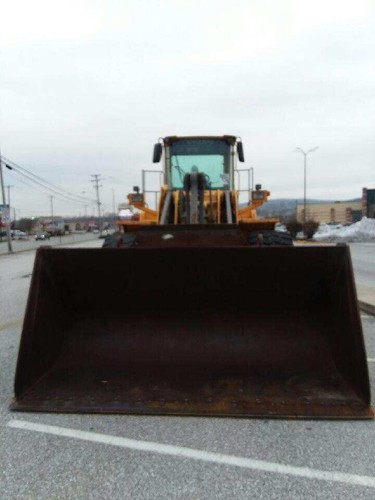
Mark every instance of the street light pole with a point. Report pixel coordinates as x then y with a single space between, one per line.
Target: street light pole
305 153
7 225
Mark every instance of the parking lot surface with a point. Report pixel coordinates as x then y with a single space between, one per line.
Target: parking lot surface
46 456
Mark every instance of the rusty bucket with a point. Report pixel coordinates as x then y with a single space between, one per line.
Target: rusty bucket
226 331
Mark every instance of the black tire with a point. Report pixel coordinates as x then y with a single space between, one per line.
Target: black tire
269 238
118 240
111 241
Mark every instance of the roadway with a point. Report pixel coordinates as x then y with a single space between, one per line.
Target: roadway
129 457
363 256
29 243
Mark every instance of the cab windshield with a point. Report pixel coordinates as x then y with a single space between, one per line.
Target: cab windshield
208 156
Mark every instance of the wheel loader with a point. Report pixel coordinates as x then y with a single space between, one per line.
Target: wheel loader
195 307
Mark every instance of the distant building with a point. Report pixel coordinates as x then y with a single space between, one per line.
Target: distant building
368 203
54 226
340 212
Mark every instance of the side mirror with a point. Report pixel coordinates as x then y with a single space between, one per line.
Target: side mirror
240 152
158 148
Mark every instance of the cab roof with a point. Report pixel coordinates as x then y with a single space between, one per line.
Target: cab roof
174 138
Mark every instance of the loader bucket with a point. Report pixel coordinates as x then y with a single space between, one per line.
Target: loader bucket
226 331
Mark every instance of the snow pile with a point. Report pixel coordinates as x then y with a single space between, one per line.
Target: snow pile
361 231
125 213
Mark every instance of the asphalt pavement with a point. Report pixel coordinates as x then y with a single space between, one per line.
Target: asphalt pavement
363 257
29 243
67 456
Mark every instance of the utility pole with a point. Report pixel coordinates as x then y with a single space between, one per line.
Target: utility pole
113 201
113 206
7 225
51 200
8 187
96 179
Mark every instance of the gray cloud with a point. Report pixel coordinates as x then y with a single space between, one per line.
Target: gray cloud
95 103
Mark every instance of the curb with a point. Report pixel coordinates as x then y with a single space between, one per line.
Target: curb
366 307
24 250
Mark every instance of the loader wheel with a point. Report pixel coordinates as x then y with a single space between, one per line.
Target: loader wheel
269 238
118 240
111 241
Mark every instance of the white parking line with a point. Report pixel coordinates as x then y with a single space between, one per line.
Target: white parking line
11 324
205 456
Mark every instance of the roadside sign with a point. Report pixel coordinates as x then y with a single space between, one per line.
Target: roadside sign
5 214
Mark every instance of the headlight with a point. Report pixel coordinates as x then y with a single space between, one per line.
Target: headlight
137 198
257 195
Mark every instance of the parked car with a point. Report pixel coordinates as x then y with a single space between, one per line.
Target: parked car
42 236
16 234
106 232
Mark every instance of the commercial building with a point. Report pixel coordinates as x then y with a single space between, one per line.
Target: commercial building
368 203
340 212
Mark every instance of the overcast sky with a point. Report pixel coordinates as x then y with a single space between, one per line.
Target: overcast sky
87 87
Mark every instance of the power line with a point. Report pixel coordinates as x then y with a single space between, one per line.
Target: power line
13 165
33 184
39 180
39 184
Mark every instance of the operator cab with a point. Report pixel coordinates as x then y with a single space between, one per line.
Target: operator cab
214 157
